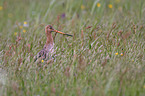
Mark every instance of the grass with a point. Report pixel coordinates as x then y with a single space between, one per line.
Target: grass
89 64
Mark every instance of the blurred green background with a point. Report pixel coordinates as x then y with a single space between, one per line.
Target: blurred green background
105 57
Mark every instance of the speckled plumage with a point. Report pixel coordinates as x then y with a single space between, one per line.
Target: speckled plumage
47 50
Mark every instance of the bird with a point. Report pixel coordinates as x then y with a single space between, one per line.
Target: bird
46 52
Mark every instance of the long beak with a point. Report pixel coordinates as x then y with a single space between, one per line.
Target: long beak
62 33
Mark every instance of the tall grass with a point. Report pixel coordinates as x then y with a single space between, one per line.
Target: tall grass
104 58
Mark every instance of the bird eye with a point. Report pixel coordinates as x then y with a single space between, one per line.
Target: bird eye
50 27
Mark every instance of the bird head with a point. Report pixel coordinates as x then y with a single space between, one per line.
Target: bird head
50 29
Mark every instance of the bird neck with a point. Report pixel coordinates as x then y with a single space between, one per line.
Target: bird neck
49 38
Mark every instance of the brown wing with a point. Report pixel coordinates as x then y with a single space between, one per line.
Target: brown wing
43 54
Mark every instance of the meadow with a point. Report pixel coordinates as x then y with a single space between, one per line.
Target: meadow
105 56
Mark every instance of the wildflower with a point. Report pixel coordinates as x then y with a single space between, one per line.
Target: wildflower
132 60
63 15
10 15
25 24
24 31
144 86
20 27
82 7
121 54
110 6
15 33
116 53
1 8
42 60
98 4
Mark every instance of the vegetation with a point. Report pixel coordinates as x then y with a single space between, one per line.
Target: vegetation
105 56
